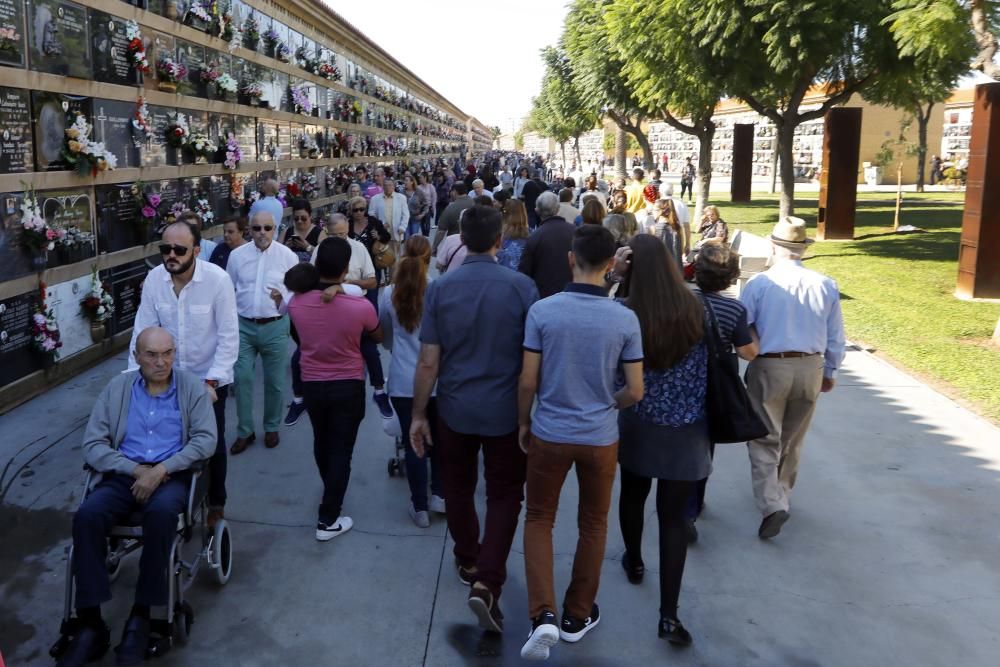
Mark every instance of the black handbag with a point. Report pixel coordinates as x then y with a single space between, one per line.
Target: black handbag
731 417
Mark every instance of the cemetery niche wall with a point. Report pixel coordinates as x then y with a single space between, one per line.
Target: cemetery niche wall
117 116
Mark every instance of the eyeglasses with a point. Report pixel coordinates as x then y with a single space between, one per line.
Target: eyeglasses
258 228
357 210
179 250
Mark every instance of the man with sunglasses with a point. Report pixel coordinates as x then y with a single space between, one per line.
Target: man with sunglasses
258 272
194 301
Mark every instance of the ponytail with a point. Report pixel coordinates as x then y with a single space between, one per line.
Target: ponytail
411 282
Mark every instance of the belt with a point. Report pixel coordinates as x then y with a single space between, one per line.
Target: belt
262 320
788 355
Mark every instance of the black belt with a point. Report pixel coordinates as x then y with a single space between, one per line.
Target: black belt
788 355
262 320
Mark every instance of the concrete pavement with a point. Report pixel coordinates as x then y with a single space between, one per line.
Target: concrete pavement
890 556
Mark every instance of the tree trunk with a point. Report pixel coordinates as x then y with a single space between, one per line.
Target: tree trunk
562 148
579 159
621 147
786 163
996 334
922 122
647 151
985 40
704 182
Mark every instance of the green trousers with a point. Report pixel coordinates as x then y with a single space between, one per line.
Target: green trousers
270 341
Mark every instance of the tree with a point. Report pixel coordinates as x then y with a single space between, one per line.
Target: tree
597 68
644 35
566 98
985 18
778 51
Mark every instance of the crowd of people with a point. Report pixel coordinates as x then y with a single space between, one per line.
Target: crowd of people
559 333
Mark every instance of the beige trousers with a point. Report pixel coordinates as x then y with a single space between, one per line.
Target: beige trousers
784 393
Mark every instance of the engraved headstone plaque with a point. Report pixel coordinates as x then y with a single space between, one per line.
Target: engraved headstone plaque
284 141
126 288
246 128
12 42
191 56
16 154
69 210
16 359
113 126
109 49
156 149
51 115
58 38
119 224
14 260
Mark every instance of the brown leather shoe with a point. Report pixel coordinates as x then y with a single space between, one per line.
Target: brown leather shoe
242 443
271 439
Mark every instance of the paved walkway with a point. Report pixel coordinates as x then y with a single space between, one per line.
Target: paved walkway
890 556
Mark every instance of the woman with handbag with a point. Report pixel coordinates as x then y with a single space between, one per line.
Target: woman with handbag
665 436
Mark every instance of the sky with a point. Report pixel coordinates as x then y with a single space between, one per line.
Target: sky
482 56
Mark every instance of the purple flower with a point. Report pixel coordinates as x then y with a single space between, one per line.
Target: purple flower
148 212
154 199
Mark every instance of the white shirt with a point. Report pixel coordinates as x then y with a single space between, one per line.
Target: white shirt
568 212
485 193
254 273
360 266
202 320
683 216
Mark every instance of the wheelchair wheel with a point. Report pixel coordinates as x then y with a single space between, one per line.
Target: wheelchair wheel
183 620
222 552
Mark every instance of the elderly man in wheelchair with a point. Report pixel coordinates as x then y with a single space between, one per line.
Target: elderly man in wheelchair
149 434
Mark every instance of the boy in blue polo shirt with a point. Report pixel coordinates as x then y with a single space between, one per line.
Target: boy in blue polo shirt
575 423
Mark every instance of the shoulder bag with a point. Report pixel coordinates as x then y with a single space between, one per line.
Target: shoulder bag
731 417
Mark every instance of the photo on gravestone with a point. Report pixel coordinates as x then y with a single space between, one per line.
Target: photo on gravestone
156 150
52 113
70 211
57 33
15 260
113 126
12 42
16 358
120 224
109 49
191 56
126 289
16 150
246 137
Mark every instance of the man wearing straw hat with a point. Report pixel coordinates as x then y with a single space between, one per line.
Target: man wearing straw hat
796 313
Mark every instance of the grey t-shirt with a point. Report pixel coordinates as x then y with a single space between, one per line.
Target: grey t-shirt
583 337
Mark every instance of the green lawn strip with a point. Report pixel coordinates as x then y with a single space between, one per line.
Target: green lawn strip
898 289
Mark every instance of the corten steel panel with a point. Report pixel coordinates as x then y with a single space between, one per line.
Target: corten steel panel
838 185
979 252
742 162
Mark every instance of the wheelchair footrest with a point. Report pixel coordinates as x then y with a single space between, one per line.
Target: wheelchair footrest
158 646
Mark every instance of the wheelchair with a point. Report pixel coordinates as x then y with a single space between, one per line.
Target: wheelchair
215 552
397 463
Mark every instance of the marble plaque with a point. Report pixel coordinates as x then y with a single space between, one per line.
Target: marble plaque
58 38
156 151
113 126
109 49
16 149
52 113
157 44
14 260
74 328
12 42
119 225
280 95
246 137
285 141
220 186
193 57
16 358
126 288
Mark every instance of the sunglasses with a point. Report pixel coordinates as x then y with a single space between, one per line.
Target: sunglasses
357 210
166 249
258 228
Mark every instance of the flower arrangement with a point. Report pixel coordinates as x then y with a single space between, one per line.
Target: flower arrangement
234 154
141 123
75 237
355 110
178 133
169 70
200 145
253 90
199 11
82 153
282 52
45 328
224 27
9 38
300 98
203 208
136 49
251 32
309 185
148 204
329 72
307 144
98 304
226 84
36 233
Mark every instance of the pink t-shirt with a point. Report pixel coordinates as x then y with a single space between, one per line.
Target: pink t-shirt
330 335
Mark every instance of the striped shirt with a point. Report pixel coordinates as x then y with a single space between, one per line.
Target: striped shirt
731 316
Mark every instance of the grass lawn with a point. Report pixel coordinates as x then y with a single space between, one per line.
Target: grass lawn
897 291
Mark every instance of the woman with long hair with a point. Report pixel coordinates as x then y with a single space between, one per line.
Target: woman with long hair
515 233
666 226
664 436
619 200
401 307
593 212
522 177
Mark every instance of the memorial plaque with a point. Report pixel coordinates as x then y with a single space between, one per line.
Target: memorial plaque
267 141
126 288
113 126
74 328
109 49
16 152
51 115
220 187
157 151
157 44
246 137
157 6
67 208
16 358
220 126
59 43
12 42
15 261
119 225
280 95
285 141
191 56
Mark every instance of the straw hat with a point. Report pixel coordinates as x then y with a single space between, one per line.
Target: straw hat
790 232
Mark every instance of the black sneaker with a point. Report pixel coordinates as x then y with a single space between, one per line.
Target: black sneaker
672 630
382 401
89 644
465 574
295 411
485 607
692 531
573 629
544 635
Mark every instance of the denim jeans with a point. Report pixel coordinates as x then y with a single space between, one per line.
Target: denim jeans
369 348
416 467
297 372
414 227
217 464
335 408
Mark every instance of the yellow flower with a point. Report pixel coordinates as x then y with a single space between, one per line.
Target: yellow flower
75 146
102 164
72 133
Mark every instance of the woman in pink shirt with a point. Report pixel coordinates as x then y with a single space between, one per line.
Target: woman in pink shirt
333 373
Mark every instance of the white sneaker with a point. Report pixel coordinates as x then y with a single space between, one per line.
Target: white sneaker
544 635
421 519
339 527
436 504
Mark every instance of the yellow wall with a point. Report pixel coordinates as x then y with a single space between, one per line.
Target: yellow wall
879 123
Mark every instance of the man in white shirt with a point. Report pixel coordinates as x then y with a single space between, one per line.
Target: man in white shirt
479 189
194 301
391 209
258 273
683 216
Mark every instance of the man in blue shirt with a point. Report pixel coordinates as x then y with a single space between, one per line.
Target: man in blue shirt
146 430
574 424
470 335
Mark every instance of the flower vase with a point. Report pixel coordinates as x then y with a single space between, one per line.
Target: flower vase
40 261
97 331
167 86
